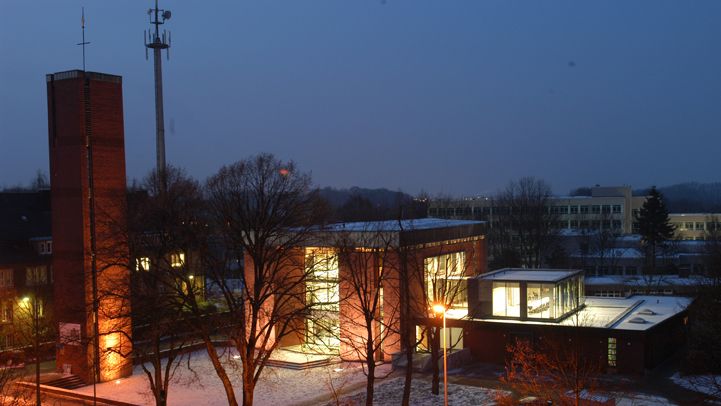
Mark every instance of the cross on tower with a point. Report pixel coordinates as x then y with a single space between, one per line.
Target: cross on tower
83 43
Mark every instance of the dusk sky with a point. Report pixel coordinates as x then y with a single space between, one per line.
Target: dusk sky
454 97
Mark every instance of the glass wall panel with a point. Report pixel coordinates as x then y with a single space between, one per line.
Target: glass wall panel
445 279
539 301
506 299
322 295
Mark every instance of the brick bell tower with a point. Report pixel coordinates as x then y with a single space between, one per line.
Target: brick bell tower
87 178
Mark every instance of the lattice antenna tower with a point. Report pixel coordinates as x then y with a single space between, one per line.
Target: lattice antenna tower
158 41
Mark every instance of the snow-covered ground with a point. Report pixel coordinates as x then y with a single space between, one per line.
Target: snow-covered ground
706 384
199 384
642 400
391 393
195 383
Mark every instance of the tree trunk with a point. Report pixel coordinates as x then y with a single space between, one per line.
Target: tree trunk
409 376
371 381
227 385
248 386
435 356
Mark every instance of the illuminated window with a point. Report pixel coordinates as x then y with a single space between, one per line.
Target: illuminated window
539 301
6 278
506 299
7 312
36 275
612 352
142 264
177 260
445 279
323 296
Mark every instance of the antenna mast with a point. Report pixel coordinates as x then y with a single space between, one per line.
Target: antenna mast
83 43
157 42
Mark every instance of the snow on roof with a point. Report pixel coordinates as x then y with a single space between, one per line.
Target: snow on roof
647 280
611 253
530 275
403 225
616 313
651 311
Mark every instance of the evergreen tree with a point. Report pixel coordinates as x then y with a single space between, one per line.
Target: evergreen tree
654 225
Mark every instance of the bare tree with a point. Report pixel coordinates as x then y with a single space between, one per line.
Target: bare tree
32 323
263 210
554 370
167 232
444 283
703 352
365 267
523 223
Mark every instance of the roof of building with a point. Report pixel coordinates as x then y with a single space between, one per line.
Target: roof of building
646 281
403 225
530 275
636 313
630 313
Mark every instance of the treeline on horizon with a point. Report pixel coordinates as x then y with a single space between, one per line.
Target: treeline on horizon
364 204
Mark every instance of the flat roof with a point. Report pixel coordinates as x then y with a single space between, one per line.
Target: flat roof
403 225
649 281
529 275
635 313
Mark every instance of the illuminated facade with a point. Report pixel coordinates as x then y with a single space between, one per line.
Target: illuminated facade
548 310
436 255
87 177
528 294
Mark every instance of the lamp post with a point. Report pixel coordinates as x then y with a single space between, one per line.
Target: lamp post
32 308
441 309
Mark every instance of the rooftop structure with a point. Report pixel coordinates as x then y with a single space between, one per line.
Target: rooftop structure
523 294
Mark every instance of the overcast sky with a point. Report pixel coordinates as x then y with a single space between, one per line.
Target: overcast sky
451 96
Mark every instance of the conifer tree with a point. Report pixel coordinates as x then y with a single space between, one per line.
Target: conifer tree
654 225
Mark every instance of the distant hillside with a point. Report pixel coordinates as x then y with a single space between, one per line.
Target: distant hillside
690 197
361 204
377 197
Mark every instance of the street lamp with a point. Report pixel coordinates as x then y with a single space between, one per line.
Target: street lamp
440 309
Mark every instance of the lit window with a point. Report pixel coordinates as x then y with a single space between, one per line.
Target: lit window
539 300
6 278
7 312
506 299
177 259
36 275
142 264
445 279
612 352
322 291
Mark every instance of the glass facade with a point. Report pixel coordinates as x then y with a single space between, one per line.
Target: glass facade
507 299
445 279
322 295
540 301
